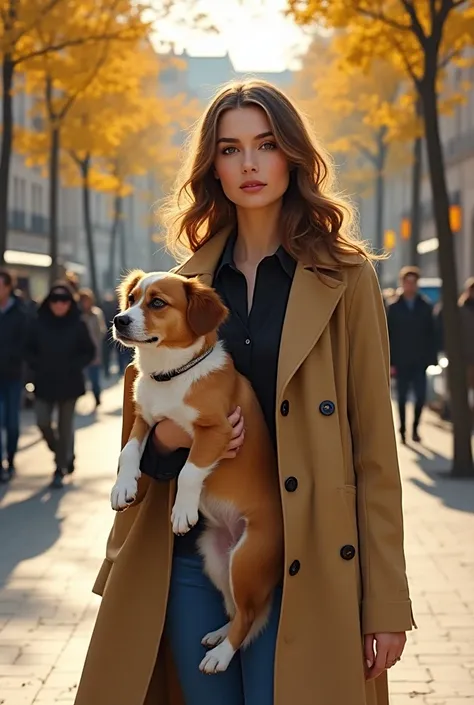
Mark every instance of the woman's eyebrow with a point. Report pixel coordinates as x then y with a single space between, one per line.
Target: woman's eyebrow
234 140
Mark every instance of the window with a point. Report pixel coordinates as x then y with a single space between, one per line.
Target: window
37 199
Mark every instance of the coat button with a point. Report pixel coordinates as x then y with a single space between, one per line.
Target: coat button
291 483
285 407
327 408
295 568
348 552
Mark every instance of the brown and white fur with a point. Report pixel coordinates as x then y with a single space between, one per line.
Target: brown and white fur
171 320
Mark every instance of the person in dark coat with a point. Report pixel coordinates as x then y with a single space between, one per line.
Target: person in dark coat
412 346
59 348
13 331
466 310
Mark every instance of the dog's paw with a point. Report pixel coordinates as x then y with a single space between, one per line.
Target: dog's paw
218 659
123 493
184 516
217 637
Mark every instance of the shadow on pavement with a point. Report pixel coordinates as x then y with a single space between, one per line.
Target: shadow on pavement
36 524
39 529
457 493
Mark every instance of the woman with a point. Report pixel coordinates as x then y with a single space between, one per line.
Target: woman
94 320
59 348
307 326
466 304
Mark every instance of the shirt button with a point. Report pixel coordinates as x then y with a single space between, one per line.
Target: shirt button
285 407
294 568
247 341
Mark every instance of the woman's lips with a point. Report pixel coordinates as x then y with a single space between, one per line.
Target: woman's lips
252 187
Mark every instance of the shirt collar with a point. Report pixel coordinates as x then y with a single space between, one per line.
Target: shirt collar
227 259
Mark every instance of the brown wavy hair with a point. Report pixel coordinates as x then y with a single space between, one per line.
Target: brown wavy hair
313 215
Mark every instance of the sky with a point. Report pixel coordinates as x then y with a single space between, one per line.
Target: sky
255 33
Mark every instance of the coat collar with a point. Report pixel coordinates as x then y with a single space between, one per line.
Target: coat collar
313 298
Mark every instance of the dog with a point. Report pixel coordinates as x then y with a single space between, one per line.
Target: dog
186 375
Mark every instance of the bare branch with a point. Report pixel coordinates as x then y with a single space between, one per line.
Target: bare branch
365 151
34 21
72 98
415 22
449 57
68 43
409 68
380 17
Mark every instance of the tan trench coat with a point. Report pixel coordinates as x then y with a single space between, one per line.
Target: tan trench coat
333 348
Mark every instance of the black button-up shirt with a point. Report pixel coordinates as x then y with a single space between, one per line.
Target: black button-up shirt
252 339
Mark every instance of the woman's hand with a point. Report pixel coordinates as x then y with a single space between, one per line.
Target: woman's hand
169 436
388 650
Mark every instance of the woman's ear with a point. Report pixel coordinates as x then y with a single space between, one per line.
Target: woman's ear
206 312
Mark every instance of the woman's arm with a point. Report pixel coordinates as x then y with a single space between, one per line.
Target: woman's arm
386 605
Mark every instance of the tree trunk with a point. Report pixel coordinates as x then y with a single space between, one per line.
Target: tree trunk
84 166
113 240
460 413
123 245
8 68
380 197
415 195
53 202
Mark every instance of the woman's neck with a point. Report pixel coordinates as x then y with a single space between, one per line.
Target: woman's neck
258 234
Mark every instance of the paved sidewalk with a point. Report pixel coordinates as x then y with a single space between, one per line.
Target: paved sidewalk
53 544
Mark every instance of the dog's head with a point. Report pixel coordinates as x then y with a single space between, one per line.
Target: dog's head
164 308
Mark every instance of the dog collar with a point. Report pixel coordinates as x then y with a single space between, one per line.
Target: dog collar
166 376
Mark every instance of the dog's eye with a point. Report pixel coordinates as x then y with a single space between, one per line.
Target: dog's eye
157 303
130 298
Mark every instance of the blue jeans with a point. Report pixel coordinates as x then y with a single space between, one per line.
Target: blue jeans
10 405
94 377
195 607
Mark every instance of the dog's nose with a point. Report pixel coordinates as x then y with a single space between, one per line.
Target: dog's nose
122 321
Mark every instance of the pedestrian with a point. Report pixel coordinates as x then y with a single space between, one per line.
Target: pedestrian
59 348
307 327
94 319
413 346
466 306
109 309
13 331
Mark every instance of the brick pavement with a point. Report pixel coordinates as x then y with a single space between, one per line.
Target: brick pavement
55 543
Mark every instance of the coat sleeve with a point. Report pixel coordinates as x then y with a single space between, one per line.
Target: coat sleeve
123 521
386 605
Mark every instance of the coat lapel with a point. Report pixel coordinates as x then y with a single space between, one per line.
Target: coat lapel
203 263
313 298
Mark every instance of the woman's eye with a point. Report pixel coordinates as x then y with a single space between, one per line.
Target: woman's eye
268 145
229 150
157 303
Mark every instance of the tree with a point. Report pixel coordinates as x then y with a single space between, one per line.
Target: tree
79 71
21 22
359 116
422 38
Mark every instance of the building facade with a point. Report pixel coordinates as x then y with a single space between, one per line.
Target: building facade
457 134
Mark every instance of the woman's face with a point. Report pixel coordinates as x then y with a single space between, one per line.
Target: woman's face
252 169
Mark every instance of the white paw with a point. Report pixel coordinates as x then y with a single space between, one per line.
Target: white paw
215 638
184 515
218 659
123 492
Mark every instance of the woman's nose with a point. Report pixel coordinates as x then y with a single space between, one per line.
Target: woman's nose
249 164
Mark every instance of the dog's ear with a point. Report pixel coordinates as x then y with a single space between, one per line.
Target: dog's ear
127 285
206 311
